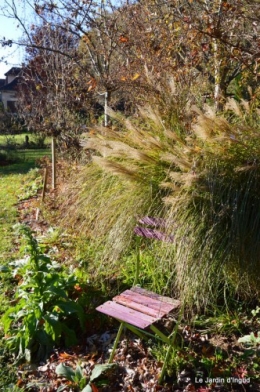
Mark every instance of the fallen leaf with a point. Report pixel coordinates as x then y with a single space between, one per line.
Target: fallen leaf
136 76
123 39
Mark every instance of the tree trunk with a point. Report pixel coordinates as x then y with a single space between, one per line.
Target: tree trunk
217 75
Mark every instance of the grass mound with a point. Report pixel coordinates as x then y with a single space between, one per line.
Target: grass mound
202 179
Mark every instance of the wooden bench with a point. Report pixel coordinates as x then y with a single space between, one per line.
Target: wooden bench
138 309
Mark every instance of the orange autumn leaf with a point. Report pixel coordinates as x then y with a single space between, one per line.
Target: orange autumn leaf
66 356
20 383
77 287
94 388
123 39
92 84
136 76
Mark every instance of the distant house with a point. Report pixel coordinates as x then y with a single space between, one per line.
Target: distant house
8 88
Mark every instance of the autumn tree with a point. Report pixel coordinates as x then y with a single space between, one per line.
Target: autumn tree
98 28
214 39
47 94
205 46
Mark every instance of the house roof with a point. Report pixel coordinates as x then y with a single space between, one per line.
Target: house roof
10 86
13 71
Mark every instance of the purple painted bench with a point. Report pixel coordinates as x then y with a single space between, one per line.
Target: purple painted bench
149 229
139 309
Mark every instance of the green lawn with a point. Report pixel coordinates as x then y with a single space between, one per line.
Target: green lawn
25 160
9 189
19 139
12 179
7 139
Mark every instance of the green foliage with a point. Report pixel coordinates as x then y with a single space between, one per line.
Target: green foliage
42 311
18 141
253 339
153 264
79 380
7 157
10 142
9 189
256 312
32 185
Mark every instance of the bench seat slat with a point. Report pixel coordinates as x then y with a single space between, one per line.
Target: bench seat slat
144 303
130 316
133 304
175 302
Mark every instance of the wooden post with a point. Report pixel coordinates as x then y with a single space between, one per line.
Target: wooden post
44 182
105 109
53 156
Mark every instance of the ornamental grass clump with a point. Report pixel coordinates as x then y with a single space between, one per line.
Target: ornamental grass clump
201 175
216 209
121 184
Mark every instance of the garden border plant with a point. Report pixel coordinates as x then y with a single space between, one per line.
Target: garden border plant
203 180
41 314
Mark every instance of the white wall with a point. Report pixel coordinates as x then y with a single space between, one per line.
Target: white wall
8 96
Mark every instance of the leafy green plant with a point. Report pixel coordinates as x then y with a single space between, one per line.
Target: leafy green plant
256 312
251 340
42 309
81 382
32 185
76 376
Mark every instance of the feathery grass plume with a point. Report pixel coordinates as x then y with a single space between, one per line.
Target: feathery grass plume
105 210
148 112
181 162
234 106
117 169
121 184
217 235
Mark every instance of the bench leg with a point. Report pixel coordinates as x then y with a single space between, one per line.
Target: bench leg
119 333
165 364
172 339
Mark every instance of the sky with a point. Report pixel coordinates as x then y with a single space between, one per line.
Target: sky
9 57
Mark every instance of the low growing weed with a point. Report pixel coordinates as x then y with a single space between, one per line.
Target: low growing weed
82 383
252 340
32 185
